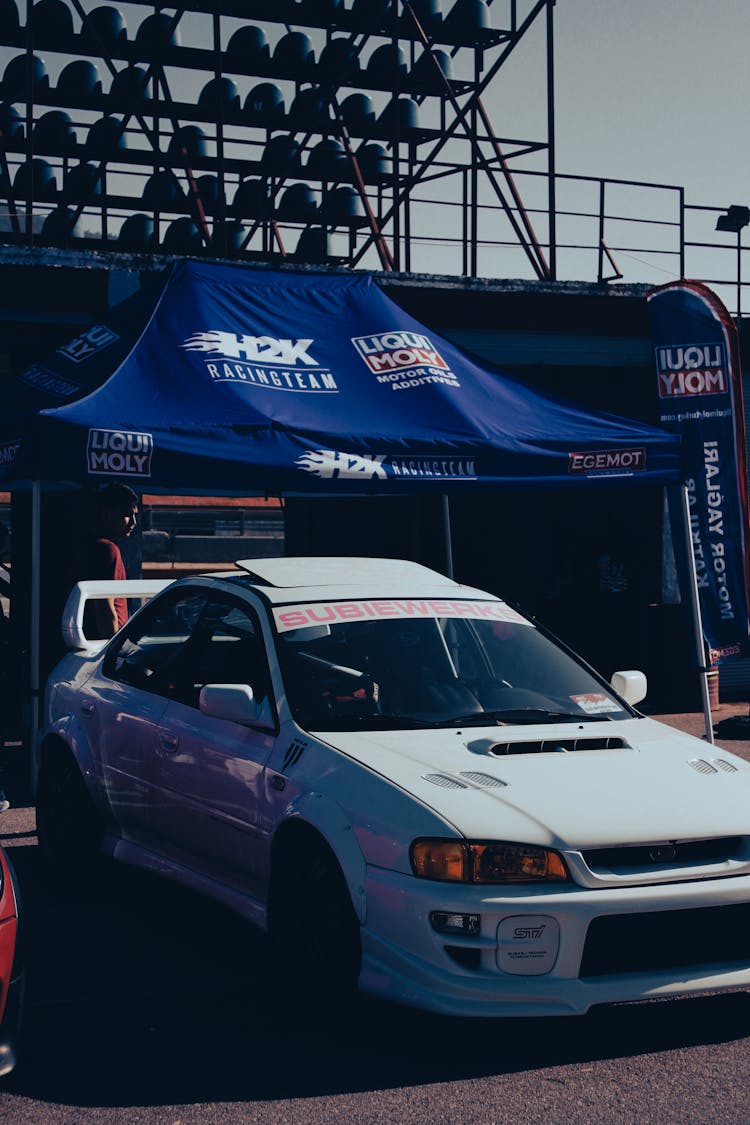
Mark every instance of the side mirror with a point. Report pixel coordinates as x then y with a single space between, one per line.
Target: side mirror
630 686
235 703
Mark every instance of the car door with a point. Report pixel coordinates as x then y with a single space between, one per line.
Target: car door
209 771
127 702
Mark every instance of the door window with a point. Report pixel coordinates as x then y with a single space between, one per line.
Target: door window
225 647
153 643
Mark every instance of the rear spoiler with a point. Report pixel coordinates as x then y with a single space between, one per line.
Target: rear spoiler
82 592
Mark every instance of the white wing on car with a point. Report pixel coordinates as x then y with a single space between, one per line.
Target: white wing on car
83 592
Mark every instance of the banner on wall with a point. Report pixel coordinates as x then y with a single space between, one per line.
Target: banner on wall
698 377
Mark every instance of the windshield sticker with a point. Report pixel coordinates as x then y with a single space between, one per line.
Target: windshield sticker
333 613
595 703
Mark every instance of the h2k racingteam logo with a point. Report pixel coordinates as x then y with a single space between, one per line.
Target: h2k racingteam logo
262 361
331 464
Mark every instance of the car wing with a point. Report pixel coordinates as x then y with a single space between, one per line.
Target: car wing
83 592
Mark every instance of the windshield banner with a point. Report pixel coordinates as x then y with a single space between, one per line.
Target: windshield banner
698 378
336 613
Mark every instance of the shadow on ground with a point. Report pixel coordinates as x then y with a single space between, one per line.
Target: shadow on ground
146 994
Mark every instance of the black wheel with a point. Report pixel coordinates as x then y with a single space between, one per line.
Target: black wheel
314 931
69 827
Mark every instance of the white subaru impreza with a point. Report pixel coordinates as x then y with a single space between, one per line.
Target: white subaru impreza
408 783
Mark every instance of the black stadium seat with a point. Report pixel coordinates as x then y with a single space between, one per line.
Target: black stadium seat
52 20
80 80
129 85
264 105
220 95
54 133
35 180
15 76
105 138
103 27
249 46
137 232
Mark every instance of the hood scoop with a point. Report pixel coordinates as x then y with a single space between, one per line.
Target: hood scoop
546 746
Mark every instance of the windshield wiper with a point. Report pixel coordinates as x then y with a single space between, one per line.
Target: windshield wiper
507 717
512 715
368 722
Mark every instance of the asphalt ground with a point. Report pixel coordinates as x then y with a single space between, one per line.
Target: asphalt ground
148 1004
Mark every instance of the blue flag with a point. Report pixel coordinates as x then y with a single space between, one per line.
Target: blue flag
696 354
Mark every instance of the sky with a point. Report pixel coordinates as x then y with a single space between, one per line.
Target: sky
657 90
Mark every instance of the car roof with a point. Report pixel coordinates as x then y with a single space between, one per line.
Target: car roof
294 578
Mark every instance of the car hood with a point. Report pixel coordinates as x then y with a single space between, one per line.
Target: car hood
657 784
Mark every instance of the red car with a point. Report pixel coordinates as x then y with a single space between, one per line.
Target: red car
11 976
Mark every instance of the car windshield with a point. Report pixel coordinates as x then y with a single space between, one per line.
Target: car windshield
395 665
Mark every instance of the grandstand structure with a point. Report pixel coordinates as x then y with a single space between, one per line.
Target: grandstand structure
315 130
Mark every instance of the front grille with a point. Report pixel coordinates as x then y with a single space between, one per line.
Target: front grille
669 939
665 855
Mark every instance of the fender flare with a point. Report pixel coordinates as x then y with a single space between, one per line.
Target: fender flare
69 732
330 821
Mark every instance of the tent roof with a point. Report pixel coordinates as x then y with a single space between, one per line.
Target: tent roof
252 381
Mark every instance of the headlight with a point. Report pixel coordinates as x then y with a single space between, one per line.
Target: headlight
471 861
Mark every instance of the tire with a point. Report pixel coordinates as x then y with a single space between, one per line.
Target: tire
315 934
69 828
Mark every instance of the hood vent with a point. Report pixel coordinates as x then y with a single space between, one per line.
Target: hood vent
718 765
486 780
550 746
444 781
702 766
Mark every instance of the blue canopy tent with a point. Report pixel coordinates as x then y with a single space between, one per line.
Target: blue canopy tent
256 381
249 381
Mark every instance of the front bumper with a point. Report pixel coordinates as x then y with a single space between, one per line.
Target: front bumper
11 1013
10 1028
528 957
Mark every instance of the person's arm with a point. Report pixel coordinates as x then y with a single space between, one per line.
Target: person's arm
105 611
105 615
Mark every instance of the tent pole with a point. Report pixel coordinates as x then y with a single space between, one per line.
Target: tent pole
447 536
36 562
695 608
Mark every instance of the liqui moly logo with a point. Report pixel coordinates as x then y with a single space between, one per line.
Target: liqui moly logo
119 452
699 369
89 343
608 462
398 351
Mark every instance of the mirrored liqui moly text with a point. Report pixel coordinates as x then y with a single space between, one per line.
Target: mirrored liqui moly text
699 369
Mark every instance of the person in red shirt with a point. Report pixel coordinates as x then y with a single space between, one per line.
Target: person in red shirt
115 517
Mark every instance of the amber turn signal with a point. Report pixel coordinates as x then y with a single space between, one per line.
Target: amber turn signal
467 861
